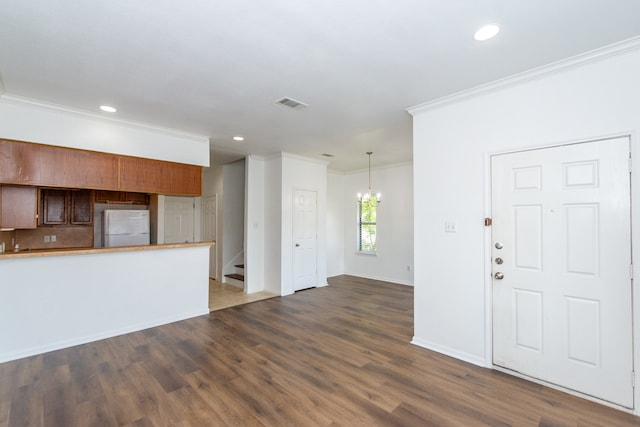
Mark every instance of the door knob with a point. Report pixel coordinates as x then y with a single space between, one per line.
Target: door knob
498 276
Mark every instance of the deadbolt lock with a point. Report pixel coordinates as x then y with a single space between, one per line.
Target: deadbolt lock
499 261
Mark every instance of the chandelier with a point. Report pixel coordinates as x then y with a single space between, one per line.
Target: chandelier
369 194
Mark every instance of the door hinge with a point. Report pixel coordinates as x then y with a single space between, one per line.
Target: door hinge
633 378
631 270
630 165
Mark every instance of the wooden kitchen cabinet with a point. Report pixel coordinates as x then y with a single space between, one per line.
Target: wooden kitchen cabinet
81 212
122 197
46 165
18 207
54 207
20 163
24 163
159 177
104 196
145 175
186 180
60 207
78 168
136 198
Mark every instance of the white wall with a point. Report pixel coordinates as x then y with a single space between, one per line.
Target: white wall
272 224
55 125
53 302
233 215
335 223
394 260
452 144
212 181
254 215
212 186
283 174
299 173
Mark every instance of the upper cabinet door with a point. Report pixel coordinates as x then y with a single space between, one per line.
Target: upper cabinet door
19 163
186 180
18 207
81 207
145 175
54 207
23 163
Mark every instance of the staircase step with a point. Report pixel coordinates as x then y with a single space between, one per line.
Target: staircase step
235 276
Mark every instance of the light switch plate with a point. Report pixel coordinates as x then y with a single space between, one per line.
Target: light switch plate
450 227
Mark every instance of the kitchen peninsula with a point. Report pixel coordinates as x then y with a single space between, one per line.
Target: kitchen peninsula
54 299
61 294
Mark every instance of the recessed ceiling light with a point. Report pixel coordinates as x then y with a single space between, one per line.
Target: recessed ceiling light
238 138
486 32
108 109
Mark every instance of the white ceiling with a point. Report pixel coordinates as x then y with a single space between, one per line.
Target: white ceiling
216 68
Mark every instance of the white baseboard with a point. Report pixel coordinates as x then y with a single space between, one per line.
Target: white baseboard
381 278
447 351
6 357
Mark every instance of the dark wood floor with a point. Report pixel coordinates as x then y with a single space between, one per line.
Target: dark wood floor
338 355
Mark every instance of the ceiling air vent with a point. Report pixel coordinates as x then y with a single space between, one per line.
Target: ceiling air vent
292 103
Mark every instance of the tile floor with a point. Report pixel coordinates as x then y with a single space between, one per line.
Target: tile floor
222 295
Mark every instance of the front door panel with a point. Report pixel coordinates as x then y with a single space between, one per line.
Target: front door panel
562 295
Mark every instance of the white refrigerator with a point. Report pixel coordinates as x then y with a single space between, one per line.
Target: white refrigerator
125 228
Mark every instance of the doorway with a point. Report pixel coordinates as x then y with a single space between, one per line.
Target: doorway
179 217
305 239
561 267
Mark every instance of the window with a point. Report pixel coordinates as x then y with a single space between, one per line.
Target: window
367 225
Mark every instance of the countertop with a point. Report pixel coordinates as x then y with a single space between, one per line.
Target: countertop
37 253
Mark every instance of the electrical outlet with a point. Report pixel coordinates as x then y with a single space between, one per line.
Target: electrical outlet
450 227
53 238
47 239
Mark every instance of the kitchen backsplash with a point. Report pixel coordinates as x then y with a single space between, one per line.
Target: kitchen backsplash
6 237
55 237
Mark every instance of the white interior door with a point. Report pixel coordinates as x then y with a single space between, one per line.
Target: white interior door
561 243
209 230
305 231
179 218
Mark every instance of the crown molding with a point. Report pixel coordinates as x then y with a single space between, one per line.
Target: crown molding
305 159
286 155
380 167
43 105
596 55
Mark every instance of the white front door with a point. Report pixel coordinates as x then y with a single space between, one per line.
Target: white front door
209 230
179 217
561 260
304 239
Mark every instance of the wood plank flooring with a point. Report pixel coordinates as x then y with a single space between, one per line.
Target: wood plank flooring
223 295
333 356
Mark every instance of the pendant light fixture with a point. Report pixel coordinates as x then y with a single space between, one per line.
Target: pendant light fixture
369 194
